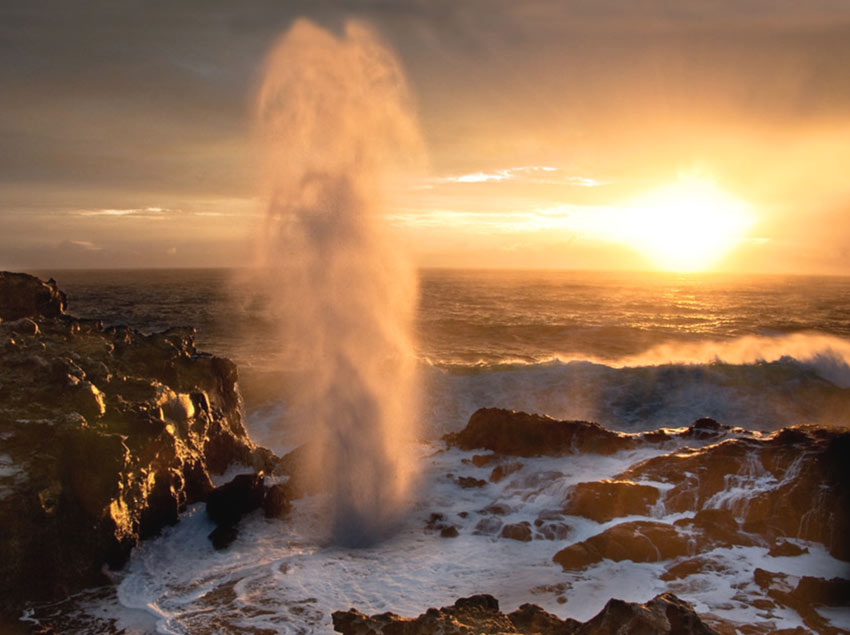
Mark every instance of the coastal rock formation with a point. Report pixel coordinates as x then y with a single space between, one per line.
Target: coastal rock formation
480 614
106 434
522 434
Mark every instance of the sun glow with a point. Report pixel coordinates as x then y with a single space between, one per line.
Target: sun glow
687 226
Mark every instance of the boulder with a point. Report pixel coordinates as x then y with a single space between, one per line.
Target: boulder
108 435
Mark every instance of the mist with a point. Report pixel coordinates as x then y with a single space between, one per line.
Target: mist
336 127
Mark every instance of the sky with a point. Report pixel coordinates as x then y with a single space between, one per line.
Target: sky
574 134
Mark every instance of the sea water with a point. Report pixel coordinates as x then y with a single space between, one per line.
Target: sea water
630 351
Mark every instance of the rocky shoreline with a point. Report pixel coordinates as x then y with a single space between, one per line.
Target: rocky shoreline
107 434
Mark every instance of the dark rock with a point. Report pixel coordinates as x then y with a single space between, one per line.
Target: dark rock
112 433
521 434
483 460
604 500
517 531
665 614
468 482
223 536
278 501
505 469
227 504
25 296
449 531
530 618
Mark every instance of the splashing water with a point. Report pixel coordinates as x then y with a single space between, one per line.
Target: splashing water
335 124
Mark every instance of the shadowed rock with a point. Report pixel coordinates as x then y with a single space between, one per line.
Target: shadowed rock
480 615
106 436
604 500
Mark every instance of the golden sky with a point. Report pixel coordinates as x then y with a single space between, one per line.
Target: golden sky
567 134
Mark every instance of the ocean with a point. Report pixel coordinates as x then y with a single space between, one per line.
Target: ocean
631 351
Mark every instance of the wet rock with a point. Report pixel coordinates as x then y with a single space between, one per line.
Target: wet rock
469 482
112 434
665 613
22 326
551 530
500 472
227 504
488 526
278 501
638 541
480 615
521 434
794 483
605 500
785 548
449 531
517 531
223 536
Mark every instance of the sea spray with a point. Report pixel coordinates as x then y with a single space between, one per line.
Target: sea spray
336 128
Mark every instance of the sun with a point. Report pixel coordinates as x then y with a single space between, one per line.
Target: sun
687 226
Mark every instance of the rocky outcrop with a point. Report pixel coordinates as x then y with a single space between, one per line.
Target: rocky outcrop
522 434
25 296
794 483
480 614
106 434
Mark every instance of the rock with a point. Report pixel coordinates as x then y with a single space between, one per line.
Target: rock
794 483
520 434
480 615
551 530
112 434
804 594
785 548
449 531
468 482
504 470
517 531
638 541
665 613
22 326
223 536
488 526
605 500
227 504
25 296
278 501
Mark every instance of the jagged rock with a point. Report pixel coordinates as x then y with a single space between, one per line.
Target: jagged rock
227 504
794 483
604 500
109 434
665 613
480 615
25 296
522 434
804 594
278 501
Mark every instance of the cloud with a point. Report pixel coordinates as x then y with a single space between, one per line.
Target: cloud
527 174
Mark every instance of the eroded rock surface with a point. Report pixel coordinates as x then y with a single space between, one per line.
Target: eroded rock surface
480 614
106 434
